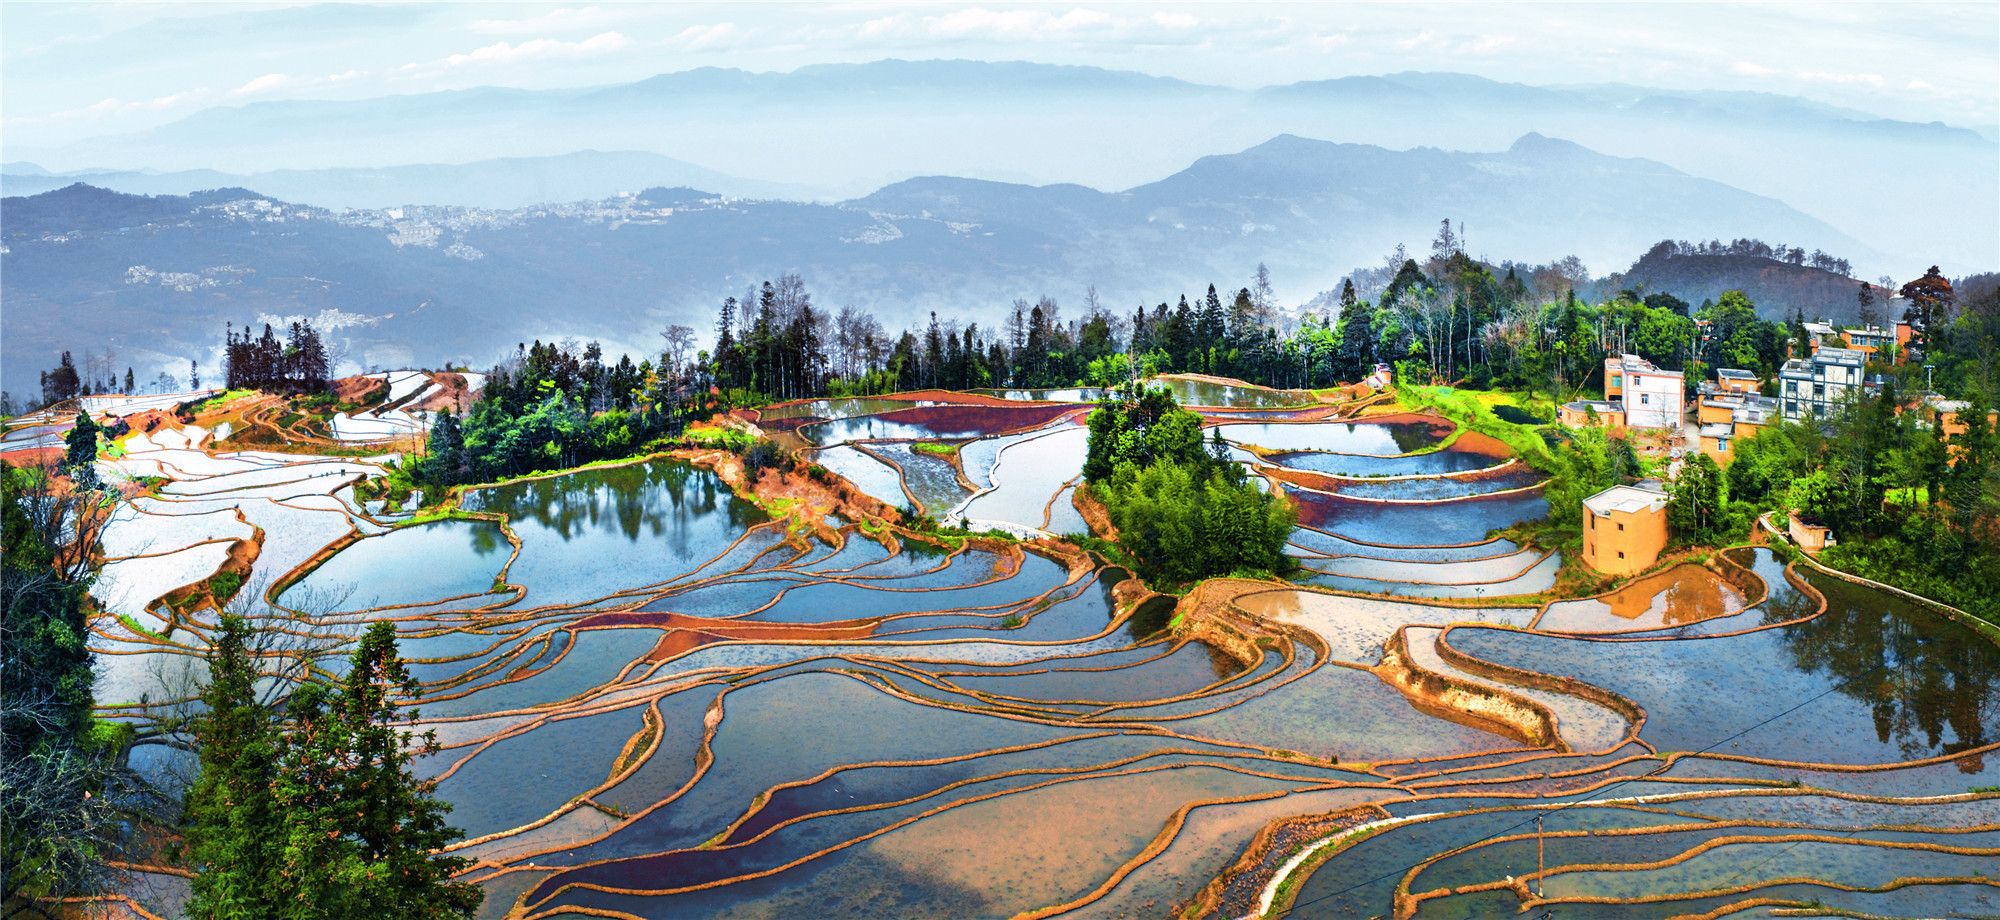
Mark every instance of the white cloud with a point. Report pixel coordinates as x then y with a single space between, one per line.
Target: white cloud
263 84
1023 23
534 50
1423 39
1176 20
346 75
696 38
1840 78
1751 69
1327 41
115 106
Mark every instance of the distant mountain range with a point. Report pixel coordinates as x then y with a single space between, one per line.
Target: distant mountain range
510 182
156 277
851 128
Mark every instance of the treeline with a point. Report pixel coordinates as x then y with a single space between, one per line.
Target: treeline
1777 252
297 363
551 407
1182 508
97 375
1910 503
1449 318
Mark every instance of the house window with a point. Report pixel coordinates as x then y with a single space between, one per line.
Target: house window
1614 380
1722 446
1621 554
1621 525
1645 398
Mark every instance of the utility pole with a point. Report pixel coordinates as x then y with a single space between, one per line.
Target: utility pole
1538 856
1540 867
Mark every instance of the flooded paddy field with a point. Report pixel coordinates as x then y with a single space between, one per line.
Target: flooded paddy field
657 701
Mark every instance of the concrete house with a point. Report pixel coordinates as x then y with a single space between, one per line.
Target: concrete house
1625 528
1652 398
1813 387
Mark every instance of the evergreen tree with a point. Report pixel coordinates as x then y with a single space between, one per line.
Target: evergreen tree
318 815
61 383
235 838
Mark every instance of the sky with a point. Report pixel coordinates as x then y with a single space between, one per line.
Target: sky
72 70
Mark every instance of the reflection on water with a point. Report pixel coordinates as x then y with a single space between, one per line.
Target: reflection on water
648 499
586 534
1929 681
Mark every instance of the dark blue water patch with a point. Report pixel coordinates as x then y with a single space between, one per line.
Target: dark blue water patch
1306 541
775 731
1877 680
1950 777
1188 669
523 778
729 597
1076 613
597 656
1357 465
1463 521
1432 489
672 764
822 603
877 878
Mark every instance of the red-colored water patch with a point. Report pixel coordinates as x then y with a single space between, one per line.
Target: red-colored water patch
685 633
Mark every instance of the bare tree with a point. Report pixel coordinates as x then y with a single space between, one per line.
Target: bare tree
679 344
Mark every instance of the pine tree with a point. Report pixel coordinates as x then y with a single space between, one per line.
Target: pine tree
315 814
361 831
234 825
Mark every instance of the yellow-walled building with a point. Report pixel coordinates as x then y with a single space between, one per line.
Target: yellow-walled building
1625 528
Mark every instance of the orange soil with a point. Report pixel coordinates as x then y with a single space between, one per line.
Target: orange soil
33 456
352 389
451 394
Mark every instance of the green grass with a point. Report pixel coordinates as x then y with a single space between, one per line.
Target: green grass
135 626
936 448
224 586
1473 411
222 399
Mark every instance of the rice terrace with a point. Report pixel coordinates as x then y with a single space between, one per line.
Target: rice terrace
755 548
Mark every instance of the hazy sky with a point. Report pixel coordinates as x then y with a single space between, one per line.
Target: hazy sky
79 69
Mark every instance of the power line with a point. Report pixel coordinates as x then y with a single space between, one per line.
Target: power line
1539 815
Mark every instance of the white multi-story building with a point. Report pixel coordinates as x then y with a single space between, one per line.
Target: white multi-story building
1652 398
1813 387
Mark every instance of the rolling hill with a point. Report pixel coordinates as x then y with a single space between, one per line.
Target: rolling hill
156 277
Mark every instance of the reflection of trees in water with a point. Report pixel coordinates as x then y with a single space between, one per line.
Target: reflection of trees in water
1929 681
654 500
487 539
1410 436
